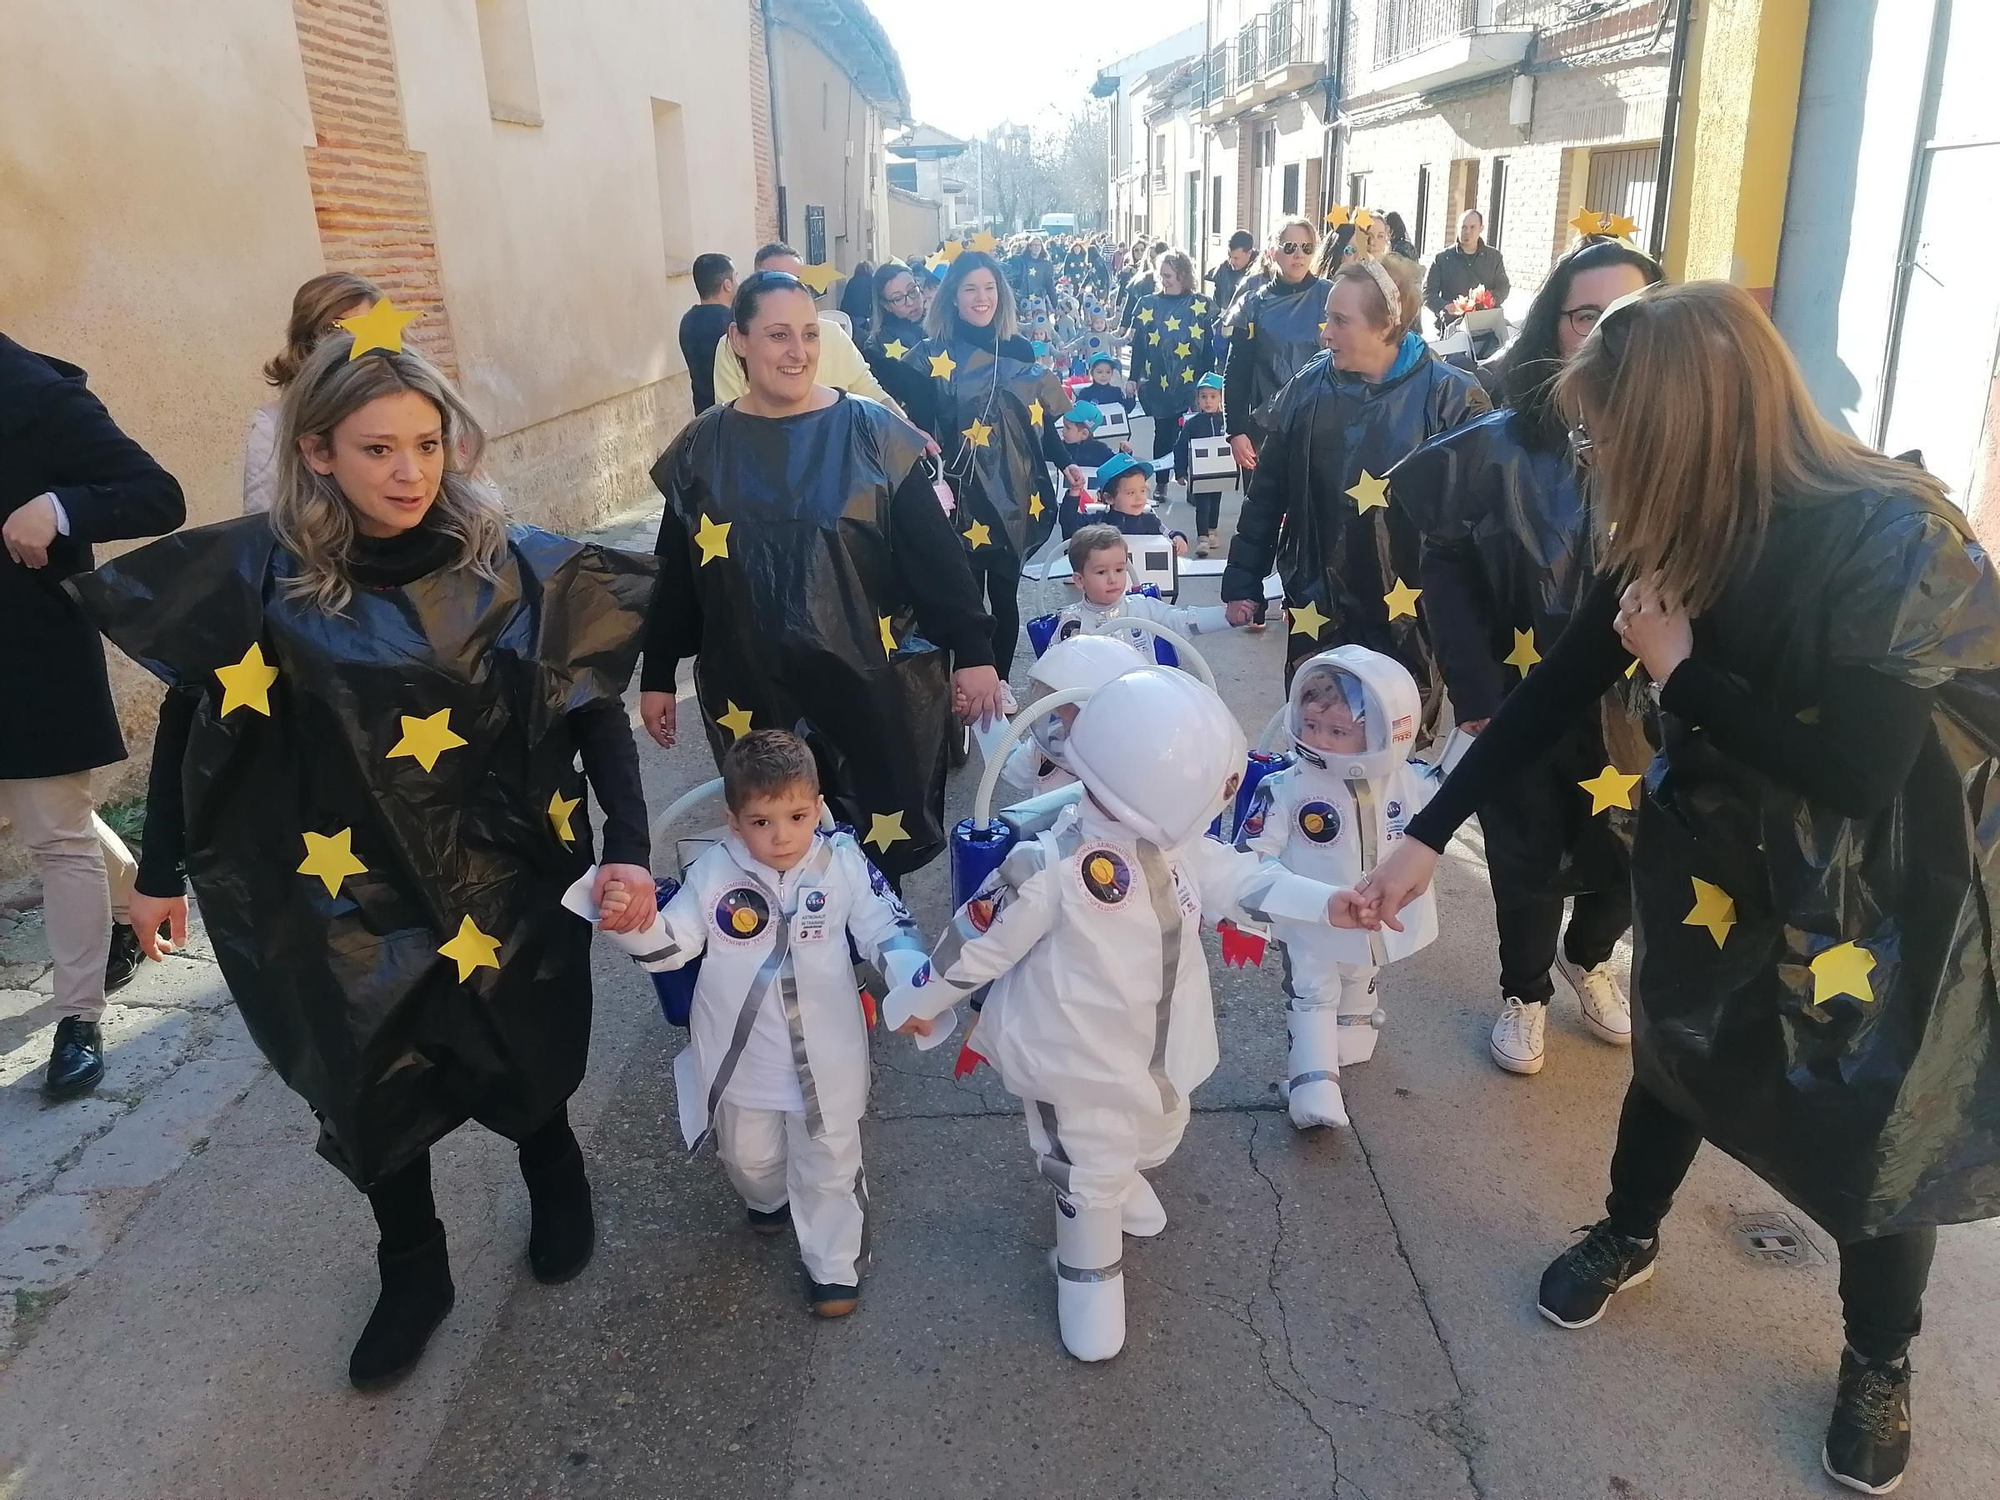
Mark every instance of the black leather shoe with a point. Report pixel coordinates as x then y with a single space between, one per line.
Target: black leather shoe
124 960
562 1229
416 1294
77 1061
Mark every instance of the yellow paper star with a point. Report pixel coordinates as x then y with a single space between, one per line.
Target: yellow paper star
1524 654
1183 349
979 434
471 949
888 635
560 807
1035 412
1187 375
1609 788
1307 620
1198 306
1843 970
1363 218
1370 493
932 262
1336 216
1145 315
1402 601
1153 337
886 829
712 536
942 365
736 721
1035 506
330 859
1621 226
247 684
381 327
983 242
896 349
819 277
1713 908
1194 330
1173 325
424 740
1808 715
1589 221
952 251
978 534
1632 671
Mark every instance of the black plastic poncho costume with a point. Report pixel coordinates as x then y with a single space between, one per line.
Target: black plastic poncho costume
1319 506
1274 335
991 412
1508 554
788 526
382 812
1171 350
1818 991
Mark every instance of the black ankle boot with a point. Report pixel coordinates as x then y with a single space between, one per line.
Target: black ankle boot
562 1230
76 1061
416 1294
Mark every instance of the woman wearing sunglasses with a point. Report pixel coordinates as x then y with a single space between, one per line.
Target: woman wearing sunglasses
1813 866
1274 330
1507 558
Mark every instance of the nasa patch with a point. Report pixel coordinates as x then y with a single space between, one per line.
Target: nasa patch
1394 809
742 914
815 901
1068 628
984 909
1106 878
1319 821
1260 809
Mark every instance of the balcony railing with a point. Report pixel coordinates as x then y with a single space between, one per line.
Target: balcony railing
1403 27
1281 37
1249 52
1218 73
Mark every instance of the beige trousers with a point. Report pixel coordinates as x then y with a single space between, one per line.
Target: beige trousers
87 875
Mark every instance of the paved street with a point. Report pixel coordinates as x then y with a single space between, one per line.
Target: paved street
1337 1315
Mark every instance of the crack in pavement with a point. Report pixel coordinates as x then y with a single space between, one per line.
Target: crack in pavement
799 1405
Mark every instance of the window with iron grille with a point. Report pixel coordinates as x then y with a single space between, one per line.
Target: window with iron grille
1624 182
815 235
1496 201
1291 190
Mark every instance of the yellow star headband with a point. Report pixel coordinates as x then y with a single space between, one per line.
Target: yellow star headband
1592 221
381 327
1341 214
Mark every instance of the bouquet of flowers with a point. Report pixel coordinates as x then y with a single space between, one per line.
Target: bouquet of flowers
1476 300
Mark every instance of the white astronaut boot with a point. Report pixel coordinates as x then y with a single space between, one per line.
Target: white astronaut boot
1312 1061
1361 1015
1142 1215
1090 1281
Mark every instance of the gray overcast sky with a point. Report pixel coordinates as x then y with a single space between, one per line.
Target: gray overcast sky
972 66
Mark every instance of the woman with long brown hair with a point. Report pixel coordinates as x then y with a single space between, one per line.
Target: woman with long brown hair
317 308
1813 863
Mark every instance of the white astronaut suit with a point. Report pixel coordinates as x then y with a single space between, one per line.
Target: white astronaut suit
1333 816
777 1031
1085 618
1079 662
1099 1014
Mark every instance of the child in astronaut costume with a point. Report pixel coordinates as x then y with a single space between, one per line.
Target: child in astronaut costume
1099 1015
1081 663
778 1036
1100 561
1333 814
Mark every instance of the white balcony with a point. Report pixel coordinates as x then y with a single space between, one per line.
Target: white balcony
1428 44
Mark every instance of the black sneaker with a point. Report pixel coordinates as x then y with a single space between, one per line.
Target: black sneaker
76 1062
1868 1440
774 1222
1580 1281
833 1301
124 960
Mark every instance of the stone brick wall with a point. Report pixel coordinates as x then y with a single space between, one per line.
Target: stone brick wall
370 192
760 127
574 471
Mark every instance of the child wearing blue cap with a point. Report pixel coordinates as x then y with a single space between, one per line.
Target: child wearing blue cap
1205 421
1104 383
1124 486
1086 451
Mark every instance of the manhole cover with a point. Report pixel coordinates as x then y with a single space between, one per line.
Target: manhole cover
1774 1239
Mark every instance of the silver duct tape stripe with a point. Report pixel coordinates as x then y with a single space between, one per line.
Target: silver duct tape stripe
788 995
746 1019
1357 1018
1167 912
1055 1162
1300 1006
657 956
903 940
950 949
1252 901
1078 1273
1364 836
861 1197
1318 1075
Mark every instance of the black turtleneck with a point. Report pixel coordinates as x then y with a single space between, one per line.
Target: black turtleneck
603 734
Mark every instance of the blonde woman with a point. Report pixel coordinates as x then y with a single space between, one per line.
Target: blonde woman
1274 330
1813 865
317 308
377 695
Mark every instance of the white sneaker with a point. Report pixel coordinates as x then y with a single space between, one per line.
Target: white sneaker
1007 703
1517 1042
1606 1011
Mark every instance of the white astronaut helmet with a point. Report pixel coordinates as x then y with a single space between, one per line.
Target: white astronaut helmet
1084 662
1159 751
1373 692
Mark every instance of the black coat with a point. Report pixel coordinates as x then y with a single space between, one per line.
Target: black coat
1274 333
57 437
1170 351
1507 558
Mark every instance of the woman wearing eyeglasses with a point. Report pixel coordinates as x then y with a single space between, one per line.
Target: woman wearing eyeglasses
1814 860
899 310
1318 507
1274 330
1507 558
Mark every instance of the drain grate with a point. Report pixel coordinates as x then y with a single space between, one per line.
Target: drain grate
1774 1239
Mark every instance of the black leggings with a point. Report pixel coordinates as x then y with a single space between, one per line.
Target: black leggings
1529 930
1166 433
405 1211
999 570
1881 1280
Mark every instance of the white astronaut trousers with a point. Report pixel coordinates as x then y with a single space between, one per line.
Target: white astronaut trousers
1330 1014
772 1161
1093 1157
